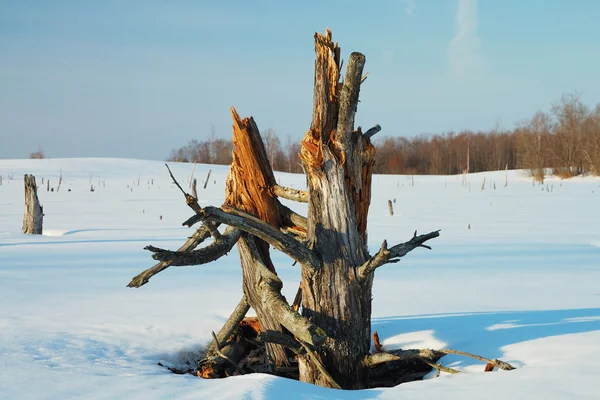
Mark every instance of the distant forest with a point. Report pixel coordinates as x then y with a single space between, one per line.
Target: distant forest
565 139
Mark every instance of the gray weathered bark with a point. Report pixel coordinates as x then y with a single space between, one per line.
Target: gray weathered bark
194 191
34 213
332 336
338 163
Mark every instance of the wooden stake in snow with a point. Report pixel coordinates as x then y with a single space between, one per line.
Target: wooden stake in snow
483 184
207 178
194 191
192 179
59 180
34 215
506 176
390 208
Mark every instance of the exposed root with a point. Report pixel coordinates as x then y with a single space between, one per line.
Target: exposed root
244 353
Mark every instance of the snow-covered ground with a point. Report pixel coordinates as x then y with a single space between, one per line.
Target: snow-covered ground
514 275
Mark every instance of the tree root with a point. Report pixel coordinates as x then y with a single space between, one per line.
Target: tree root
244 353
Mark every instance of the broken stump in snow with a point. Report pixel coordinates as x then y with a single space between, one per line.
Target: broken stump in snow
34 215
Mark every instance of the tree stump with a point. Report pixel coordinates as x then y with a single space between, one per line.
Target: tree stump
331 338
34 215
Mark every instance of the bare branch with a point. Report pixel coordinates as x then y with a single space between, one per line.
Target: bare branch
364 78
300 196
269 288
232 323
400 250
427 355
175 180
191 221
281 339
392 255
189 199
495 362
372 131
291 218
198 237
217 350
400 355
212 252
348 99
439 367
254 226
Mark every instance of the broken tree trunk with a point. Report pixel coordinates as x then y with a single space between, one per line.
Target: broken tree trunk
34 214
338 162
247 189
207 178
194 191
332 336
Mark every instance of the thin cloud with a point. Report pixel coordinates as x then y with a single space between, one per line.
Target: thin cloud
463 54
411 5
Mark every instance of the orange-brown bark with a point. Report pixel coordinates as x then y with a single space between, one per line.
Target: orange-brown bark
248 189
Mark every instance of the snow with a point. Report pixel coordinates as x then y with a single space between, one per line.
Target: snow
520 285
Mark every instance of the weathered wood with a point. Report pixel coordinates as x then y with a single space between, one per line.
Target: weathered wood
198 237
207 178
300 196
60 181
231 325
390 208
497 363
268 290
348 102
291 219
297 299
191 221
212 252
330 244
282 339
392 368
338 167
376 342
33 218
254 226
372 131
393 255
247 189
194 189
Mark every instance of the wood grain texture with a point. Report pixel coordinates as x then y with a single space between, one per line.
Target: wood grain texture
33 218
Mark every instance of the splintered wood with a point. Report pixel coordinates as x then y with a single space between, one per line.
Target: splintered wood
250 176
248 188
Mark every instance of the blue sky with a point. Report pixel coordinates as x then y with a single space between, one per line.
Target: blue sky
138 78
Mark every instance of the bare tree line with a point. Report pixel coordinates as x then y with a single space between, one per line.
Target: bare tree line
566 139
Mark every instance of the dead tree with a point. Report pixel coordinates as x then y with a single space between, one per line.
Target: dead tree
194 191
34 213
207 178
331 336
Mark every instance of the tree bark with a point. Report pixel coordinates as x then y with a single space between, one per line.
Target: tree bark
332 336
338 161
194 191
34 214
247 189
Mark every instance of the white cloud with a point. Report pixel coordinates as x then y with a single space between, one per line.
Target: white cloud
410 6
464 58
